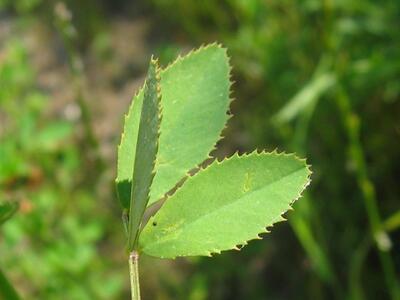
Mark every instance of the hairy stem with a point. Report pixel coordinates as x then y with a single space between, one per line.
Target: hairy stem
7 291
134 275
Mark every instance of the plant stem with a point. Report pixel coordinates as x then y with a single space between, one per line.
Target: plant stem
134 275
356 269
356 154
7 291
301 221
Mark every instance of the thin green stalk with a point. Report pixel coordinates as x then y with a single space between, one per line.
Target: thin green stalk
7 291
134 275
380 236
300 222
356 268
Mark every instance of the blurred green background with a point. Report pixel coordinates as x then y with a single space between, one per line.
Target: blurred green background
320 78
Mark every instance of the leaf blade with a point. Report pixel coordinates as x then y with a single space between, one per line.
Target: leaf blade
225 205
146 152
185 141
196 93
127 150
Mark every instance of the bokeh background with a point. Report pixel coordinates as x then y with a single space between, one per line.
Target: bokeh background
320 78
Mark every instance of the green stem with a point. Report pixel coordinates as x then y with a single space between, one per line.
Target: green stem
301 222
356 269
356 154
134 275
7 291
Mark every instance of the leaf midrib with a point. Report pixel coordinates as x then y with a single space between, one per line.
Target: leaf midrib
224 206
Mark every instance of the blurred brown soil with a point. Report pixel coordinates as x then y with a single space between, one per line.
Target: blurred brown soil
108 83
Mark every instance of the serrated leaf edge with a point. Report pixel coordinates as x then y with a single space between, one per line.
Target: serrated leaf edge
263 230
126 116
228 113
158 90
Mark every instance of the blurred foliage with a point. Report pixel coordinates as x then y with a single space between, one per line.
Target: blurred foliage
317 77
7 210
322 78
51 239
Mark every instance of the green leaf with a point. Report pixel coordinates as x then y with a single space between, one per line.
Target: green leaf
146 151
127 150
225 205
7 210
195 101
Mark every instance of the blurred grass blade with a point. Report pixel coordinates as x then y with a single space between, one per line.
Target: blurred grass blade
7 291
317 256
7 210
393 222
357 263
301 221
305 97
146 152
